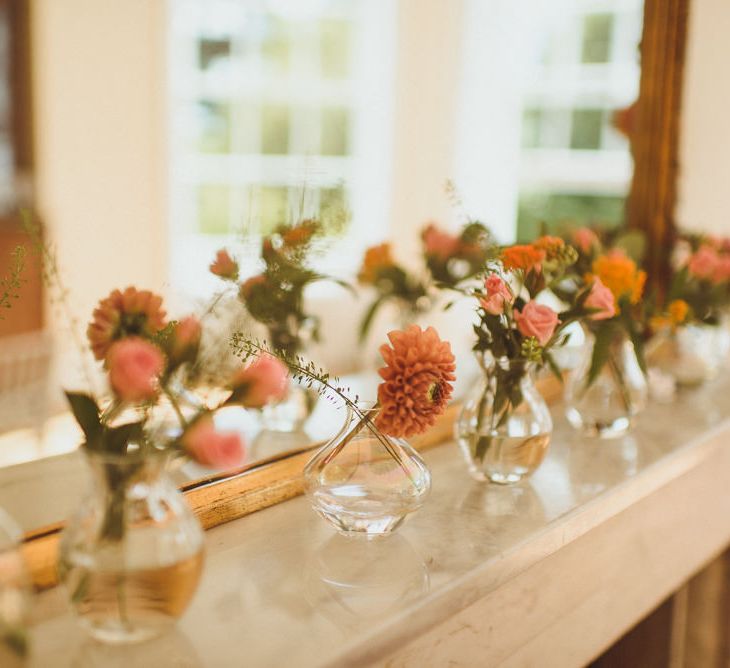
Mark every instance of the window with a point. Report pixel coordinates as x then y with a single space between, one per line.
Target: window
267 124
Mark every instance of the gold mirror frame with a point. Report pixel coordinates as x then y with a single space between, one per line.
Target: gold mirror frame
650 207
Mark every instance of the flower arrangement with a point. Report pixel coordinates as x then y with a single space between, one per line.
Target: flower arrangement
448 260
417 379
146 359
275 297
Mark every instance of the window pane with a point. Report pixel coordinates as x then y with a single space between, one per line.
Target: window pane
214 121
212 52
554 209
334 211
597 32
275 129
335 42
531 128
213 208
273 207
586 129
275 43
335 131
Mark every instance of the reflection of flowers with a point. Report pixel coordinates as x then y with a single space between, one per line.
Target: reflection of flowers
438 243
377 258
224 266
417 375
217 449
261 382
135 366
129 313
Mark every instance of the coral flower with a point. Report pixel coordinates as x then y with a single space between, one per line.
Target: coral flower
536 320
550 245
376 259
524 257
209 447
585 238
135 366
620 275
224 265
601 299
417 376
250 284
121 314
185 339
439 244
300 234
261 382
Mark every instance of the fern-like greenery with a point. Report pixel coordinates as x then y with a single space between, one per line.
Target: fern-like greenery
10 284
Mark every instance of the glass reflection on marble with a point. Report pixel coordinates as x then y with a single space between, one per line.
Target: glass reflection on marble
351 580
14 595
365 482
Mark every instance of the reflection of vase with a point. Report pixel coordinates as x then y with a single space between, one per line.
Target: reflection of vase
693 354
351 580
603 402
290 414
363 481
14 595
505 426
131 556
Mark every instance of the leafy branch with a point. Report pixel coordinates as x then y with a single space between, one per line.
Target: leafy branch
10 284
301 370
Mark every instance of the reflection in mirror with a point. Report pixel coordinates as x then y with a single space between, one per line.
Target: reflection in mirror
166 131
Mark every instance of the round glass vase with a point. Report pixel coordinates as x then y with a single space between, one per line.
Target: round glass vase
504 428
14 596
132 554
692 354
364 482
604 402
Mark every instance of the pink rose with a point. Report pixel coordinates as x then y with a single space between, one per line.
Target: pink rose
722 270
220 450
498 293
135 366
185 338
601 298
262 382
536 320
585 238
224 265
703 263
438 243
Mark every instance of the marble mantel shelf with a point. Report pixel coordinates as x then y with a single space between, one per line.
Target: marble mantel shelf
548 573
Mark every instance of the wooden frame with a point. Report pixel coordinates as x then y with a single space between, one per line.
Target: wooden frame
650 207
655 135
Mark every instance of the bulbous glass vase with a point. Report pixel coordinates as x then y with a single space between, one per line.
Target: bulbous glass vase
504 428
364 482
604 403
132 555
693 354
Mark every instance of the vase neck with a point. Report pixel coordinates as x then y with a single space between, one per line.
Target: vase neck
111 472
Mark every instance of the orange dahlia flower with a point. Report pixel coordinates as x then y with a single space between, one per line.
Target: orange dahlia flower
122 314
525 257
376 258
417 376
620 275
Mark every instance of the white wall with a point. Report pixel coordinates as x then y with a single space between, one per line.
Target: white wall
99 91
704 182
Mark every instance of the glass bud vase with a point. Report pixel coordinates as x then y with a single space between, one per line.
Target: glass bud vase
132 554
364 482
605 402
693 354
504 428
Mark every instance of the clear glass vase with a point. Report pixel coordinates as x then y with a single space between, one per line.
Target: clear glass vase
364 482
692 354
132 554
604 403
291 413
14 596
504 428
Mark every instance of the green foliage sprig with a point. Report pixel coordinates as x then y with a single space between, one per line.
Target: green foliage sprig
10 284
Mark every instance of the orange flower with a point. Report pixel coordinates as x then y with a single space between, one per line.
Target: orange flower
300 234
376 258
224 265
417 376
550 245
678 311
122 314
620 275
524 257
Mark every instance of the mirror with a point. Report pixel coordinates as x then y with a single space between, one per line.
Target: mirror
163 131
